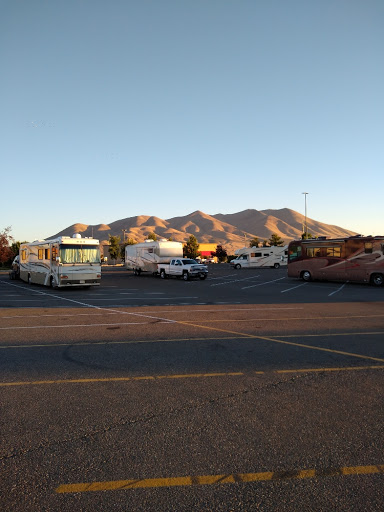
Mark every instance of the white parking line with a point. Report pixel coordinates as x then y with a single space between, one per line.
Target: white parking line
235 281
293 288
262 284
338 290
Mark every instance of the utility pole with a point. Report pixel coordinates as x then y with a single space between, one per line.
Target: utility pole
306 226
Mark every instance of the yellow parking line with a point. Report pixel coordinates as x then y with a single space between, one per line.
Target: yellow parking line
187 376
218 479
122 379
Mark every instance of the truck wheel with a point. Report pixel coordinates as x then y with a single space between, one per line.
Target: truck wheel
185 276
162 274
276 265
203 276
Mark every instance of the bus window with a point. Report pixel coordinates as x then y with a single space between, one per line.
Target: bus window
294 252
368 248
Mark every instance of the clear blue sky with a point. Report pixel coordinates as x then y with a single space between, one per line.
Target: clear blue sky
111 109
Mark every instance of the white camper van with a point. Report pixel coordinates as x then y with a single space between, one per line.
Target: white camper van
144 257
61 262
249 257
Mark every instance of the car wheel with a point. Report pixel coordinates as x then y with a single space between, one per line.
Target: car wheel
377 279
306 275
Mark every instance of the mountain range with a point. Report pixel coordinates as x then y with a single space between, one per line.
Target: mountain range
233 230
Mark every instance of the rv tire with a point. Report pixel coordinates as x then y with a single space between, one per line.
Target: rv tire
377 279
306 275
29 279
238 266
276 265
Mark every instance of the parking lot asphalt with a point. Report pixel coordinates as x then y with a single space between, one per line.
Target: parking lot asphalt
247 391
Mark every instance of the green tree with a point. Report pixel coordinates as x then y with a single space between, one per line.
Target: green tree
275 240
220 253
6 240
152 236
254 242
114 246
306 235
128 241
191 248
265 243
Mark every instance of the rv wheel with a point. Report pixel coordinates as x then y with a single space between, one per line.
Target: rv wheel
29 279
377 279
276 265
306 275
238 266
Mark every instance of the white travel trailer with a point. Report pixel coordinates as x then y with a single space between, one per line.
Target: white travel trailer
144 257
62 262
249 257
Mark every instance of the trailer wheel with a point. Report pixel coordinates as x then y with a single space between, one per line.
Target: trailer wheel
377 279
137 271
276 265
162 274
306 275
185 276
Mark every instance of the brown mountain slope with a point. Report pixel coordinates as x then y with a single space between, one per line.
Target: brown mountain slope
231 230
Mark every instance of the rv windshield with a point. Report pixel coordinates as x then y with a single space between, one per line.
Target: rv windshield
79 254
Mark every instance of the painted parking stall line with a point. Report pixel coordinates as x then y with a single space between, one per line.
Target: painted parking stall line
235 478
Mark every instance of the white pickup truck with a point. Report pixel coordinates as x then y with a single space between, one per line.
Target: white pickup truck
182 267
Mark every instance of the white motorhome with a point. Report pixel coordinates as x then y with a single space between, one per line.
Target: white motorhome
145 257
62 262
249 257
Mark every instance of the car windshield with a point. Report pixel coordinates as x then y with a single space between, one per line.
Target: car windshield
189 262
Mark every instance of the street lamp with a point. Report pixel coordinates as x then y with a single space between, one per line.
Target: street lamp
306 227
123 230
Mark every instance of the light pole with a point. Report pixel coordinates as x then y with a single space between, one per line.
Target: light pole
306 227
123 230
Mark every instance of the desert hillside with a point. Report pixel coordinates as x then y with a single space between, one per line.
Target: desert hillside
232 230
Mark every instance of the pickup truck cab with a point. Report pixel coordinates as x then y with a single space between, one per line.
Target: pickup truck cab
185 268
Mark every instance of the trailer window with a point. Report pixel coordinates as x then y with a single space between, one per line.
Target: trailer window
40 253
47 255
79 254
23 255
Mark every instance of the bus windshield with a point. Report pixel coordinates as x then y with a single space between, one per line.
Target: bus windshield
79 254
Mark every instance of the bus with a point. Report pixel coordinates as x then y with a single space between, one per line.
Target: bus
358 259
62 262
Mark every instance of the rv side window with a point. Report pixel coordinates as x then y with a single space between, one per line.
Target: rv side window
294 252
253 255
368 247
54 253
334 252
150 249
266 254
46 256
257 254
40 254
